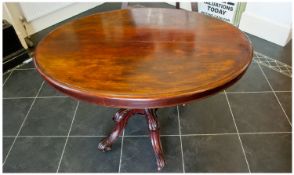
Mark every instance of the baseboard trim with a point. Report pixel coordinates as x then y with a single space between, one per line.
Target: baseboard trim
266 29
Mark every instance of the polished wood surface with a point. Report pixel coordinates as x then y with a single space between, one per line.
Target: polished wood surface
143 58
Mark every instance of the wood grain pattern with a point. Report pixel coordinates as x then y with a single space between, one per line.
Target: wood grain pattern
143 58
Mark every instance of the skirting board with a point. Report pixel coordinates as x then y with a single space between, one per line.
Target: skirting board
266 29
58 16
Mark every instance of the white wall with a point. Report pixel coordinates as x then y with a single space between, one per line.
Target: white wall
32 11
271 21
55 13
39 16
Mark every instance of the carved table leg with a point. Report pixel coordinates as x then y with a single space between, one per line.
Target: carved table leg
121 119
153 126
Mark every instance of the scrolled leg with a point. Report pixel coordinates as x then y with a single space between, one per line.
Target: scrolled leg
120 118
153 126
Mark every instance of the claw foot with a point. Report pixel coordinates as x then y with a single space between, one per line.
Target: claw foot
160 164
104 145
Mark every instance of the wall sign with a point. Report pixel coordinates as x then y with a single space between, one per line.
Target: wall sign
223 10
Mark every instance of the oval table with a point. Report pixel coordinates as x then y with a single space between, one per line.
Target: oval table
142 59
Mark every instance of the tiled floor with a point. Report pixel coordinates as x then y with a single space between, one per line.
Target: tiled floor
246 128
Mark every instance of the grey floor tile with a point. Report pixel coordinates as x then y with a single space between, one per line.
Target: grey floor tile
22 83
258 113
7 142
222 153
14 112
28 65
93 120
283 54
286 100
168 121
137 125
49 117
138 155
268 152
82 155
253 80
5 76
167 118
48 90
34 155
278 81
209 115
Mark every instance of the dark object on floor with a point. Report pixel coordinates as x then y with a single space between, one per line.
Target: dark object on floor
13 52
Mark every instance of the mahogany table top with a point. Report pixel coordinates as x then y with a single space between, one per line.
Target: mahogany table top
143 58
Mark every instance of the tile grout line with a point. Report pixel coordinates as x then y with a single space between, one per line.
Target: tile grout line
15 98
263 133
275 94
244 133
179 122
121 150
7 78
28 136
266 63
261 55
254 92
274 69
7 72
174 135
244 153
25 69
212 134
61 157
27 114
19 69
